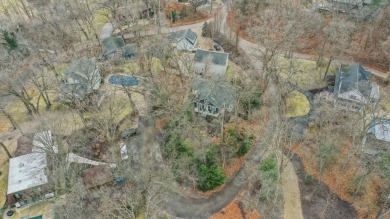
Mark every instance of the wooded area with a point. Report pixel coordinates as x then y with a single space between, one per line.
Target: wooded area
196 109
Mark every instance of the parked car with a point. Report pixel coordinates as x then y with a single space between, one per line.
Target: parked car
129 132
217 46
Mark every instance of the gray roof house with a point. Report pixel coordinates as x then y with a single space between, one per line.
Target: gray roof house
116 45
381 130
211 98
353 84
211 62
81 78
184 40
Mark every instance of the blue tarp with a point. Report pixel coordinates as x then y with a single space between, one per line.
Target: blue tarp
123 80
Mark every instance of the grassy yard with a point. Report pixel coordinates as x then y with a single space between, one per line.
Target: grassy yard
11 146
297 104
232 71
19 112
304 73
3 182
130 68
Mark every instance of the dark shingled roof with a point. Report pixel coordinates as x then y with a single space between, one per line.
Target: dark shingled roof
112 45
130 50
218 92
353 77
218 58
183 34
81 70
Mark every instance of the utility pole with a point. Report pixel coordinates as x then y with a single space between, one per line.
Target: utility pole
222 118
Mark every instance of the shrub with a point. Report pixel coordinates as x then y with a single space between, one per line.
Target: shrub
309 178
206 31
209 119
268 164
210 177
10 40
210 173
183 13
231 137
184 148
245 145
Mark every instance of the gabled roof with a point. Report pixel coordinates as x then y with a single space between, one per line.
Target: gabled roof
217 58
79 69
81 77
355 77
112 45
26 171
130 50
218 92
381 130
183 34
117 44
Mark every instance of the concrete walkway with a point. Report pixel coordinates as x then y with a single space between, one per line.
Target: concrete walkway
291 193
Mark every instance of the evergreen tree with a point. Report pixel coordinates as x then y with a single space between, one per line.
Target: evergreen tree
205 30
10 40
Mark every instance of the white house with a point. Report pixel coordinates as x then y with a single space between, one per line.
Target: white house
353 84
26 172
211 63
184 40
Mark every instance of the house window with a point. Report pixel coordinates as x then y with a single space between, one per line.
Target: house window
212 109
195 105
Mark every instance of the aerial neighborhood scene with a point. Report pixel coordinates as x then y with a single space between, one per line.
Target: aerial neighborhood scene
195 109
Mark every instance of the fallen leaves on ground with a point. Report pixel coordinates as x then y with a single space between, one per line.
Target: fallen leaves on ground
235 210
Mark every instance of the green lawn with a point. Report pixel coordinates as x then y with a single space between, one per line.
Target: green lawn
304 73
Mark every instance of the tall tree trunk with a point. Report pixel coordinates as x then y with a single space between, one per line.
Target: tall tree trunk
12 120
6 150
327 67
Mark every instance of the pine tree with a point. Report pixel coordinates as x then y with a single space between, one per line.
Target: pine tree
205 30
10 40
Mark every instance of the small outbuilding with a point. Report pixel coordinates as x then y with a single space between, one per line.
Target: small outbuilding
184 40
211 63
116 47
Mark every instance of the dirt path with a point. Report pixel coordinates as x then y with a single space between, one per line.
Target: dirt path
291 193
